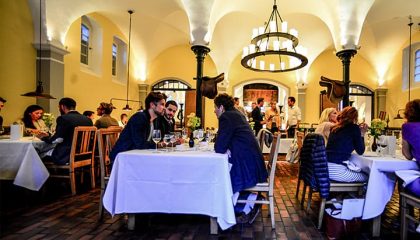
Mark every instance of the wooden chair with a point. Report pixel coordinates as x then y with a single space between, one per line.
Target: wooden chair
261 137
407 201
267 187
106 141
313 171
82 154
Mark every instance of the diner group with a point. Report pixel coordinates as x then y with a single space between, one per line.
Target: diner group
341 131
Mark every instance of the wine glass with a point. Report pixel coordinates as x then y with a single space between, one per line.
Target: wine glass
184 134
173 139
156 136
382 143
167 139
209 138
200 135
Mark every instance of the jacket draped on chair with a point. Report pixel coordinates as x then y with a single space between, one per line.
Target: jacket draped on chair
313 164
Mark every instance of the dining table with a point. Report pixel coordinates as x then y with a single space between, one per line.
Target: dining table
20 162
285 144
182 181
381 182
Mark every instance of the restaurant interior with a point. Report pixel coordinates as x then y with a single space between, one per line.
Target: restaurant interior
118 51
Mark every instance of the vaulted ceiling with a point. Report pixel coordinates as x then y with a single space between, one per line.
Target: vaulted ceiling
378 27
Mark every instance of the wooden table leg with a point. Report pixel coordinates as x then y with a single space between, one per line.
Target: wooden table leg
376 226
213 225
131 221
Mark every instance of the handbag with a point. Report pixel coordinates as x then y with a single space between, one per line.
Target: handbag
340 228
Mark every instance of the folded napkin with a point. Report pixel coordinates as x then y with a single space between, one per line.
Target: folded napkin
352 166
407 176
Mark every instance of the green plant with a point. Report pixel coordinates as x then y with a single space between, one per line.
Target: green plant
194 122
48 119
377 126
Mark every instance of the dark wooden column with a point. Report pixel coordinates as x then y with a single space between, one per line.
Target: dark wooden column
345 56
200 53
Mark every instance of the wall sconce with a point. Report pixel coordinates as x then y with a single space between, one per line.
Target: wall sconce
398 114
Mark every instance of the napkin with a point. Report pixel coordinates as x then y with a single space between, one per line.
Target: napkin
352 166
16 131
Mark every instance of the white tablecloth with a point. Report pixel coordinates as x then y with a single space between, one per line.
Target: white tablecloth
142 181
284 145
20 162
381 183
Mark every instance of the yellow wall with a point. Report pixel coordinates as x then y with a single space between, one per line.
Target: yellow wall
179 62
16 34
397 99
90 89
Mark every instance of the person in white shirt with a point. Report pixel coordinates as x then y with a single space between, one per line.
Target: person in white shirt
294 117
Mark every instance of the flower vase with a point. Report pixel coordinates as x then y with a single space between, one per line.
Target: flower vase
191 141
374 145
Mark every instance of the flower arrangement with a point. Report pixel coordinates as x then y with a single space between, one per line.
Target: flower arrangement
376 127
48 119
194 122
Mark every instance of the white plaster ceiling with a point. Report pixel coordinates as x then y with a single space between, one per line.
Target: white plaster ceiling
379 27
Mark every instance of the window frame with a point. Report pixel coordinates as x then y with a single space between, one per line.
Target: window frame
84 44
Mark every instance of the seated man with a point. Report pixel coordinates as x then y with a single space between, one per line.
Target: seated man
104 111
137 133
63 136
167 121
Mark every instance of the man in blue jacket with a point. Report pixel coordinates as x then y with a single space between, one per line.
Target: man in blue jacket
236 135
137 132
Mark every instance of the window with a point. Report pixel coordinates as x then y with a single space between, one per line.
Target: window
414 68
91 46
417 67
119 61
84 45
114 59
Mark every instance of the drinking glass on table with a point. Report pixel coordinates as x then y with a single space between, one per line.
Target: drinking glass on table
167 139
156 136
382 143
184 134
173 139
209 138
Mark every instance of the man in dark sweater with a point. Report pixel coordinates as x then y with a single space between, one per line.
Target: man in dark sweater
63 135
257 116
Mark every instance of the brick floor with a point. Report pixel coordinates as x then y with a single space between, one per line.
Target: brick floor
53 214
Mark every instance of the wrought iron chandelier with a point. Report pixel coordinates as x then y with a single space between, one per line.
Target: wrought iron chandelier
272 50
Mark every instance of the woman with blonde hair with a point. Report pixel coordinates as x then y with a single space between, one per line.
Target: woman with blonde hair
273 117
327 120
345 137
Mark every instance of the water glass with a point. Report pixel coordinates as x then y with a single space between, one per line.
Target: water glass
156 137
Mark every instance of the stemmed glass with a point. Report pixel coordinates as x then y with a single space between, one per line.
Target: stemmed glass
200 136
156 136
173 139
167 139
381 144
209 138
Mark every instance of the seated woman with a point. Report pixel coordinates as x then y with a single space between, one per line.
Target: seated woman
32 121
273 117
411 140
345 137
326 121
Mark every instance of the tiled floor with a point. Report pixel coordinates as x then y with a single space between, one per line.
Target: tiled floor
53 214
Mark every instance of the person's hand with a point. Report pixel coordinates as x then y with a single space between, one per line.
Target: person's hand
41 134
363 128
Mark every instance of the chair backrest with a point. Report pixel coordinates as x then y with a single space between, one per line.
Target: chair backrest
83 146
107 137
313 164
272 164
264 136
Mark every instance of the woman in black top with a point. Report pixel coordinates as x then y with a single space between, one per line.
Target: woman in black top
345 137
